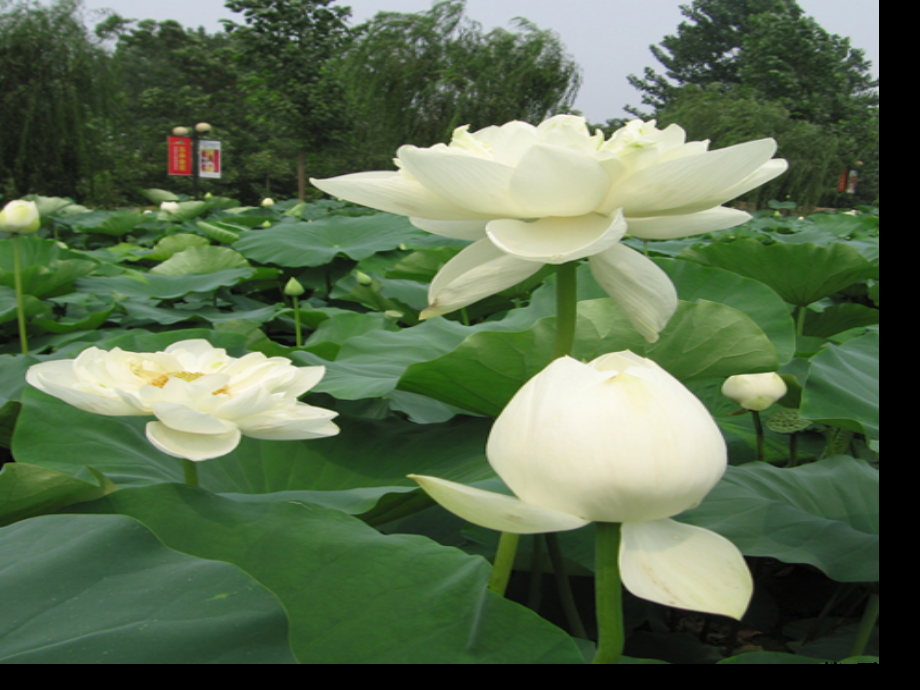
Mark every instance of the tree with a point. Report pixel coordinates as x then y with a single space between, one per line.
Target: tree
704 51
55 92
287 44
772 72
169 75
413 78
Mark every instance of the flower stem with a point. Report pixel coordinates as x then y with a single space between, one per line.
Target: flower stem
609 595
191 472
761 439
504 562
566 308
866 625
20 304
298 333
566 318
566 598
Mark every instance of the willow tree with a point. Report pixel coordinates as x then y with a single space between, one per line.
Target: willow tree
413 78
54 91
286 45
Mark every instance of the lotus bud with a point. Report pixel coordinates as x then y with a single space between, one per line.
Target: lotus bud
268 203
20 218
294 288
755 391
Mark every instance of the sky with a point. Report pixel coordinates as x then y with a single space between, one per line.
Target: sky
609 39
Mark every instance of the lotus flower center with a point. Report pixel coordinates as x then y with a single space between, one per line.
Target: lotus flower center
160 381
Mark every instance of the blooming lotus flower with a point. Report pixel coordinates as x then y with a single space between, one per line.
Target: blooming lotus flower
618 440
203 399
529 196
755 391
20 218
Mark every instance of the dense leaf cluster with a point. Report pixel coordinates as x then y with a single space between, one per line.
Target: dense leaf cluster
148 569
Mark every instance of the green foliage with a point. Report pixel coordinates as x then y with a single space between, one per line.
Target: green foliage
744 70
413 78
55 90
704 51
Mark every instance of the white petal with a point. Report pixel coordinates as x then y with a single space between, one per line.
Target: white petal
196 447
496 511
692 183
613 441
472 230
295 422
57 378
685 566
479 185
557 240
480 270
183 418
767 172
644 292
394 193
557 181
673 227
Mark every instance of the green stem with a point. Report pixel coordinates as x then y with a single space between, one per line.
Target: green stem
566 318
608 594
535 596
761 440
566 598
566 308
793 450
866 625
191 472
504 562
800 321
298 333
20 304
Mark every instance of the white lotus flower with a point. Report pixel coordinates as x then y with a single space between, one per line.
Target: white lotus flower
755 391
529 196
203 399
618 440
20 218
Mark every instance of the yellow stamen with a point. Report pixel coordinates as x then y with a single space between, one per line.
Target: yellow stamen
160 381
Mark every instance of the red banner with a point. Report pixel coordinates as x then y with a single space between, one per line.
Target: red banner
180 156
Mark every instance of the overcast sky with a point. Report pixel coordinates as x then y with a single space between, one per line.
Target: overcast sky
609 39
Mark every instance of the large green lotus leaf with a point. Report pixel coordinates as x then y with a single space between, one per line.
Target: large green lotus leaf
147 286
367 453
170 245
200 260
13 370
824 514
48 269
79 318
9 309
101 589
703 340
768 310
800 273
187 211
352 595
318 242
27 491
370 365
842 386
839 318
158 196
114 223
